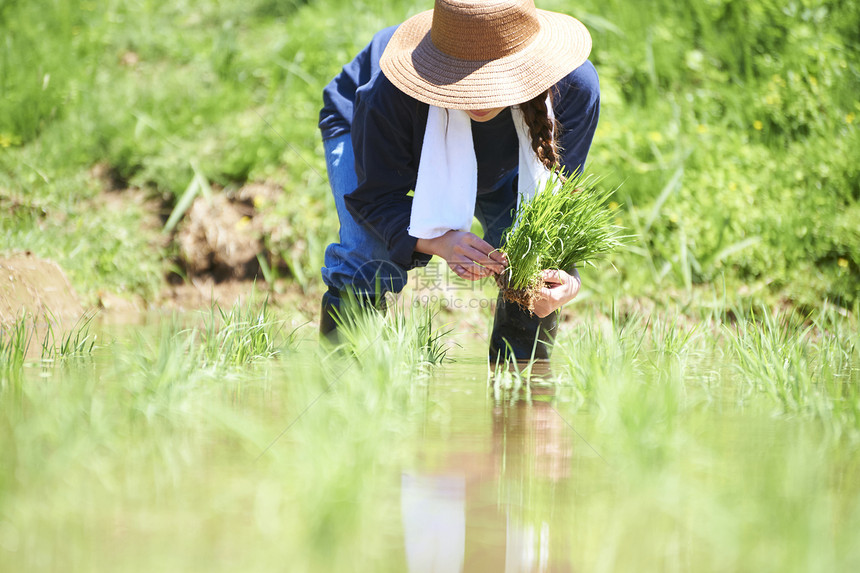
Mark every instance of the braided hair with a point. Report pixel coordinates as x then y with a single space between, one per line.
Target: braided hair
542 129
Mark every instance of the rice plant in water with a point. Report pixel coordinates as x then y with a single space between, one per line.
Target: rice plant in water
430 341
76 342
15 340
242 335
410 338
566 223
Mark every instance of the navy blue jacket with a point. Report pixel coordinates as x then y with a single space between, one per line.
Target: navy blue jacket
387 128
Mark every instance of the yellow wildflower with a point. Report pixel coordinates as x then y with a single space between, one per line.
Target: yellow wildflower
842 263
849 118
655 136
613 205
242 223
758 125
702 128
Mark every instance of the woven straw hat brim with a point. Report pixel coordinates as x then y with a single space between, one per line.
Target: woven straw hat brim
413 64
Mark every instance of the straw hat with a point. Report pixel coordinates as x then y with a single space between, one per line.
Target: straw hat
480 54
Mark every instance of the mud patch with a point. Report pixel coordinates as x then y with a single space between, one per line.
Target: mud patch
36 287
220 238
203 293
223 237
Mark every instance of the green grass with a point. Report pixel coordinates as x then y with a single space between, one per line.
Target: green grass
701 435
391 336
242 335
721 433
223 340
56 342
730 128
15 339
795 365
140 418
78 341
736 433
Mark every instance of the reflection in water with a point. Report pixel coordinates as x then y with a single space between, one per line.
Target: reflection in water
491 506
434 522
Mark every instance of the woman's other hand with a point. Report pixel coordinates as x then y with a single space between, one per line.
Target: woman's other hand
469 256
559 289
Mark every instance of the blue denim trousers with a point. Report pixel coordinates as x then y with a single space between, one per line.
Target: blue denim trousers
359 260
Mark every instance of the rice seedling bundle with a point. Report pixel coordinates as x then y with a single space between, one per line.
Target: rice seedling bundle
566 223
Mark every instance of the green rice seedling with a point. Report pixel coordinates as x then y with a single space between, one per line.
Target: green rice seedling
242 335
163 374
14 343
432 349
807 369
359 324
78 341
508 380
773 356
515 378
597 358
838 344
835 365
566 223
394 337
673 347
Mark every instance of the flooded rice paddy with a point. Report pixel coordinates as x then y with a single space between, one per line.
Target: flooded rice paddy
236 443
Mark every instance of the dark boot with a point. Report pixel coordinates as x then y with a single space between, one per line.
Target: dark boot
328 316
521 335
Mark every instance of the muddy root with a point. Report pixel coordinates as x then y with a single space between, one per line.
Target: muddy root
526 297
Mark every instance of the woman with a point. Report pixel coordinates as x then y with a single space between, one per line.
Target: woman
468 105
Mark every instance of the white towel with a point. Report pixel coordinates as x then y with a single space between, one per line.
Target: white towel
448 173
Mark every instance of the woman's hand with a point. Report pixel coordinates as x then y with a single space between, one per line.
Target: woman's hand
560 288
469 256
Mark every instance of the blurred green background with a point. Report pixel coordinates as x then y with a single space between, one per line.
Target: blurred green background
730 126
731 129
